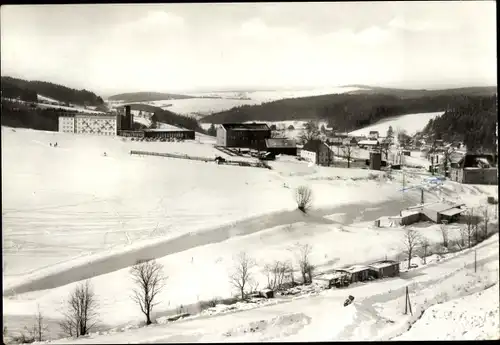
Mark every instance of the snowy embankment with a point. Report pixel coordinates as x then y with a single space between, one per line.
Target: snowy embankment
473 317
412 123
376 314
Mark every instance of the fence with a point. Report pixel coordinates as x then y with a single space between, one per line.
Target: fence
203 159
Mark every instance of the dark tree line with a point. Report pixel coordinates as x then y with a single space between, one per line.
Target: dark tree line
168 117
22 115
345 112
27 90
473 122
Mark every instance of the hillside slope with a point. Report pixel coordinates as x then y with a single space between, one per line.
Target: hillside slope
473 122
349 111
27 91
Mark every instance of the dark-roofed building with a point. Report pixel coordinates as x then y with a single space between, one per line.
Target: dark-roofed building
169 132
474 168
278 146
243 135
317 152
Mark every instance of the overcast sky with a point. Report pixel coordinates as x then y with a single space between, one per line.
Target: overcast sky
180 47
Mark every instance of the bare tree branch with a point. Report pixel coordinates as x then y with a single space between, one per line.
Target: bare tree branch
149 279
303 197
410 241
80 315
241 276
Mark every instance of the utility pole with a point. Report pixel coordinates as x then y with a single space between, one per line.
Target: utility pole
475 261
407 302
421 196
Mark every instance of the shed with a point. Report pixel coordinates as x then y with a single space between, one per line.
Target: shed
281 146
385 268
359 273
439 211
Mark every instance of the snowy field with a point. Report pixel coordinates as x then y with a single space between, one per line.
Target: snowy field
274 95
124 198
412 123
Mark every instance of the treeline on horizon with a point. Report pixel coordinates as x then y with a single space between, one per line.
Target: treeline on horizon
27 91
347 112
474 122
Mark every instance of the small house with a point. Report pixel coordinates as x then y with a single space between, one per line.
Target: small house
385 268
474 169
316 151
278 146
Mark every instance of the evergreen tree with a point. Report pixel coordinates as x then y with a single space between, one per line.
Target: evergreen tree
212 131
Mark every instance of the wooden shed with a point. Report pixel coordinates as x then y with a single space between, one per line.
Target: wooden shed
385 268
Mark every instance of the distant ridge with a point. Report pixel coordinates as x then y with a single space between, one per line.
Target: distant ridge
146 96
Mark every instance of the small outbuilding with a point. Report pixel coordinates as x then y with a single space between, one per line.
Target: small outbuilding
359 273
437 212
385 268
278 146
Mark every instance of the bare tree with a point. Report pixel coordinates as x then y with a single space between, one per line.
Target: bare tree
486 219
444 233
303 258
38 329
469 230
277 273
303 197
425 246
347 152
411 240
310 132
80 315
149 280
241 277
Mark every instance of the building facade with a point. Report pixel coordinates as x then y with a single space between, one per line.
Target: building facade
183 134
317 152
80 123
243 135
474 169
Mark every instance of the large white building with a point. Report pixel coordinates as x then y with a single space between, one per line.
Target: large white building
100 124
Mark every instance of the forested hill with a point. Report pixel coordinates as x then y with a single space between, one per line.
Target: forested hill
27 91
350 111
474 122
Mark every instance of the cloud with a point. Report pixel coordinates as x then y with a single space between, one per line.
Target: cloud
153 22
403 23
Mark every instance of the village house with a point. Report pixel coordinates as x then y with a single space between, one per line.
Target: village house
243 135
316 151
439 212
474 169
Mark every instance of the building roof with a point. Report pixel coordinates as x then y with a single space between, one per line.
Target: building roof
313 145
373 132
357 268
452 212
368 142
247 126
384 263
281 143
440 207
